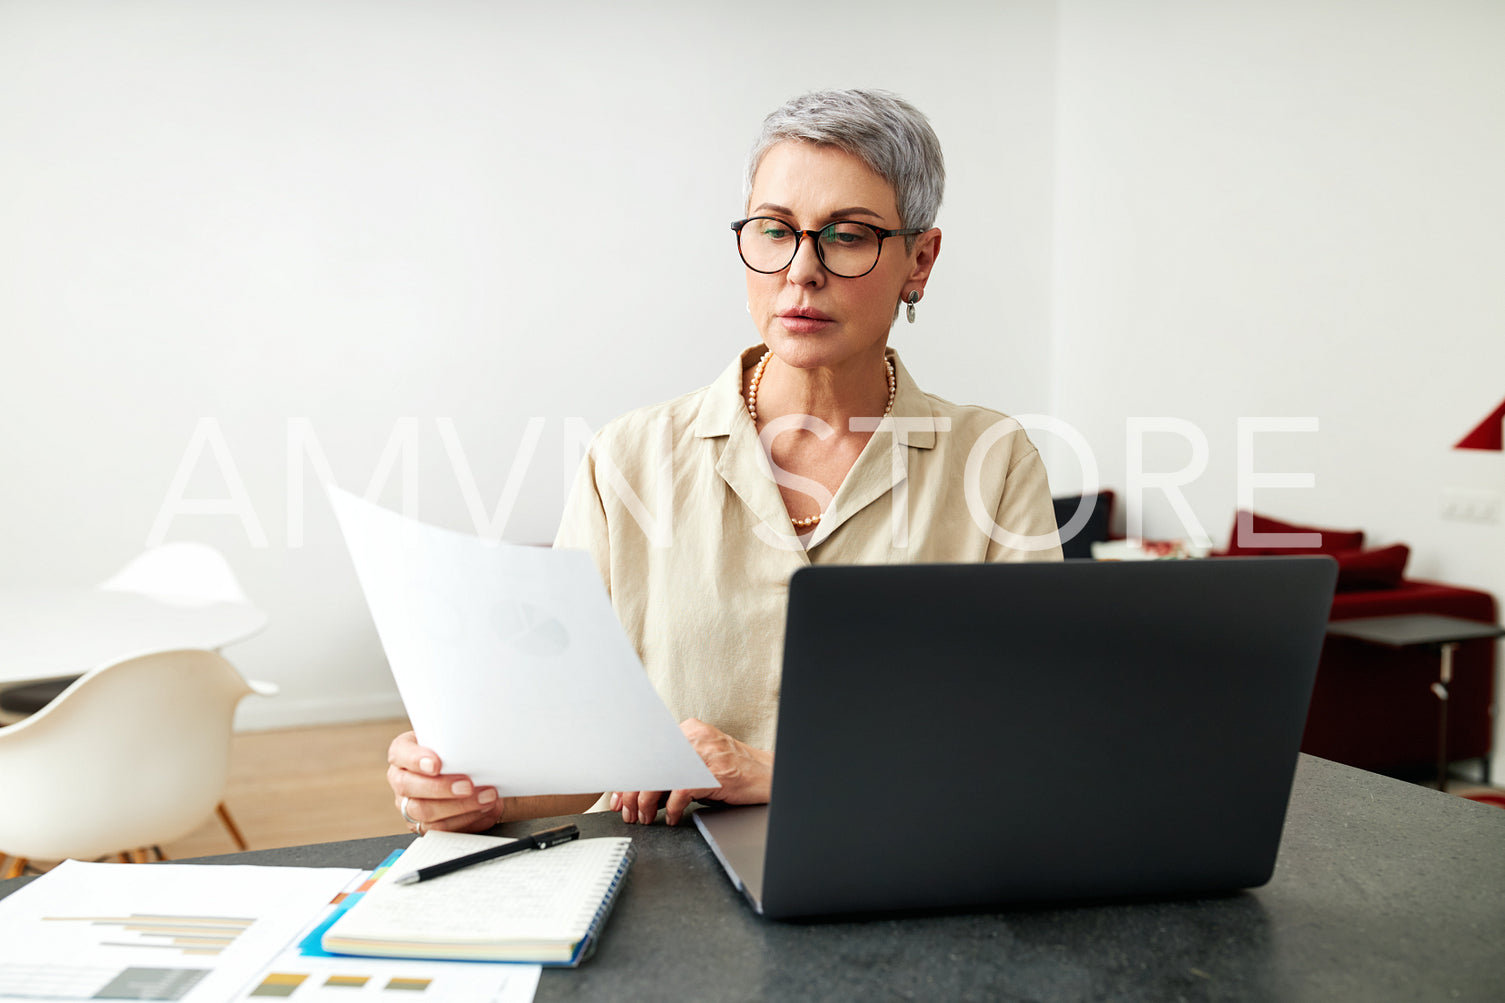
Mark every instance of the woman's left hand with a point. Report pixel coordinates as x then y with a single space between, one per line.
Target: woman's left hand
745 775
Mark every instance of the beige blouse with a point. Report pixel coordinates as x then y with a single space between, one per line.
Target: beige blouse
678 505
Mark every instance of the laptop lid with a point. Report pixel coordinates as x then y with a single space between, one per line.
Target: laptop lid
954 736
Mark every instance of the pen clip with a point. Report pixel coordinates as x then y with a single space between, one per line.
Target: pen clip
553 837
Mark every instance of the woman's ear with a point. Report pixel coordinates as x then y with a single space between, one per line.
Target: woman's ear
927 249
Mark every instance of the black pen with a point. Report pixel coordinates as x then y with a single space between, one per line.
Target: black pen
537 841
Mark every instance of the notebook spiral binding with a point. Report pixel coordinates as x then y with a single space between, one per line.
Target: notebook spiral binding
608 900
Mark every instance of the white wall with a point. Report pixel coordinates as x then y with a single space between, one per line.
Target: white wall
1295 209
361 212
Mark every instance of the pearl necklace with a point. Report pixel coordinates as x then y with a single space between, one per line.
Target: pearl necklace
752 410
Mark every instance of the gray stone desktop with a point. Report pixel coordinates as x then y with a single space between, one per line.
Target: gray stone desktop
1383 891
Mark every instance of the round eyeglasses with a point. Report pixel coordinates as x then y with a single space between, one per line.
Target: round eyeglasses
848 249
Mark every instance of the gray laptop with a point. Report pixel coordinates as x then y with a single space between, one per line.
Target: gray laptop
962 736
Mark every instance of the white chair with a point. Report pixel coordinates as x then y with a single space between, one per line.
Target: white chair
132 755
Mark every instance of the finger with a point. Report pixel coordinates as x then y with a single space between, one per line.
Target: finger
674 809
629 805
434 812
476 821
406 783
405 752
694 728
647 807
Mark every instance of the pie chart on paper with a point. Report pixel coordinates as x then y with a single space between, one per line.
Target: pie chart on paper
528 628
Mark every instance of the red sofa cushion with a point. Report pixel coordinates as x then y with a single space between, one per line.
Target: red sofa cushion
1380 568
1414 595
1332 541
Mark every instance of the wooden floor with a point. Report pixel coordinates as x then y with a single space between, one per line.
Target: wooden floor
303 785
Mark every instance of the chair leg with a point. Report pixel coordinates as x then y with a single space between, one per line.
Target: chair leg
158 851
124 857
224 816
17 865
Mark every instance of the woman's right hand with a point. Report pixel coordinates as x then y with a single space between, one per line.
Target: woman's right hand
437 800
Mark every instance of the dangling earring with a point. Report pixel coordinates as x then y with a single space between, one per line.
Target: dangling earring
914 297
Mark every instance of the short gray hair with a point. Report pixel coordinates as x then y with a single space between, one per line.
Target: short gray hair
881 129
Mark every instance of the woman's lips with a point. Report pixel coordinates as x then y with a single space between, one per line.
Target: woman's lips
803 320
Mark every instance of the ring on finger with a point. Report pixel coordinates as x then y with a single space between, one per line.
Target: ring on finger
410 820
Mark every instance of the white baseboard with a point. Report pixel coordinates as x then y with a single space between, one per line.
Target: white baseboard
267 714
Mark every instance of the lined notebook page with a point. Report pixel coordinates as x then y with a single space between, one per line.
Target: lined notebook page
535 895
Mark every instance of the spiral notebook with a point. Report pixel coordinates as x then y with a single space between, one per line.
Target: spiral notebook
541 907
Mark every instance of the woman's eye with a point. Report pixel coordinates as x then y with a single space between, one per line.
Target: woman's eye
847 235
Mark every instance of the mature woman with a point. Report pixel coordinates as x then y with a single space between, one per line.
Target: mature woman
813 447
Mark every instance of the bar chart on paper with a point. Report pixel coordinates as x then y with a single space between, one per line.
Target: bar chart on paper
202 936
176 936
154 932
310 986
85 982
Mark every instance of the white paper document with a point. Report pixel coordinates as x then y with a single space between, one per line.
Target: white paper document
154 932
511 662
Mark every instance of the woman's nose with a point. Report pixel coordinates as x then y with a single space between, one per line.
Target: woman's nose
806 268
